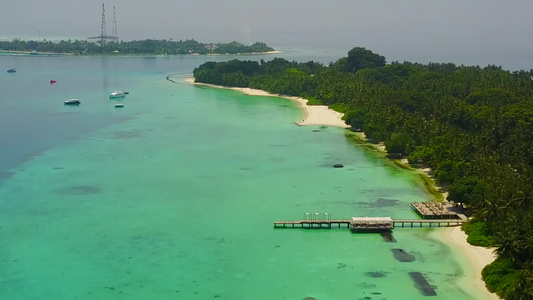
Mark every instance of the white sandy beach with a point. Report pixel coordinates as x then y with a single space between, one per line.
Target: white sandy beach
478 257
268 52
313 114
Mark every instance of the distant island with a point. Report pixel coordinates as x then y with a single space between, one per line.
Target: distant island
144 47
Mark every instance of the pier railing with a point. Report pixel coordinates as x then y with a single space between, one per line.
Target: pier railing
318 221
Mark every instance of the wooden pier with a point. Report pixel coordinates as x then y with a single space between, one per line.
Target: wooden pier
364 224
437 222
313 224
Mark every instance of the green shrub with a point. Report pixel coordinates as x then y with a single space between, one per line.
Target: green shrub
499 277
339 107
313 101
478 234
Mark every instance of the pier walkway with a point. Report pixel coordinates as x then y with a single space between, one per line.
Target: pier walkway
432 214
313 223
438 222
376 224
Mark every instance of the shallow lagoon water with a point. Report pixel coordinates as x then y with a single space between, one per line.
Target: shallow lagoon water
174 195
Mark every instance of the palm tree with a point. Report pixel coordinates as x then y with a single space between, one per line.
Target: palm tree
522 287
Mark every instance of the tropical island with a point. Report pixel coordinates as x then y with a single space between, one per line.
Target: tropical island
144 47
472 126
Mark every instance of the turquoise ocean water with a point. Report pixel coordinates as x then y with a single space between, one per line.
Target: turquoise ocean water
174 195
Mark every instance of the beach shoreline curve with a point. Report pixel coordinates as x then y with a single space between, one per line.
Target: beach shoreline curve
312 114
476 257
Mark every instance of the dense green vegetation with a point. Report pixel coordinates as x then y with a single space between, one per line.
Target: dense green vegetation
478 234
473 126
133 47
501 278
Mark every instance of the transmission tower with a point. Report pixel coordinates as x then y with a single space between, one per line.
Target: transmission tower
115 34
104 29
103 37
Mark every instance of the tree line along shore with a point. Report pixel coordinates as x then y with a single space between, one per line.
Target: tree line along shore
155 47
473 126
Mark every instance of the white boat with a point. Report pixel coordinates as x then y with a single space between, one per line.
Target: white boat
72 101
117 94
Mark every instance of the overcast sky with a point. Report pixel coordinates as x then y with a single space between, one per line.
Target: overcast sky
470 32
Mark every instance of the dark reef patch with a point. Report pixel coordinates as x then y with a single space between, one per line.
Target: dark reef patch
376 274
78 190
402 256
422 284
379 203
5 174
366 285
277 159
126 134
383 202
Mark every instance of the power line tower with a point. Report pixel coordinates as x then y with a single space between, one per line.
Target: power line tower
114 33
104 29
103 37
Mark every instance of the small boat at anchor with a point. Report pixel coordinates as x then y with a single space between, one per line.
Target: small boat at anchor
72 101
119 105
12 70
53 81
117 94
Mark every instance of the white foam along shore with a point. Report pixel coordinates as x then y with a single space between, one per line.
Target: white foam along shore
313 114
477 257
